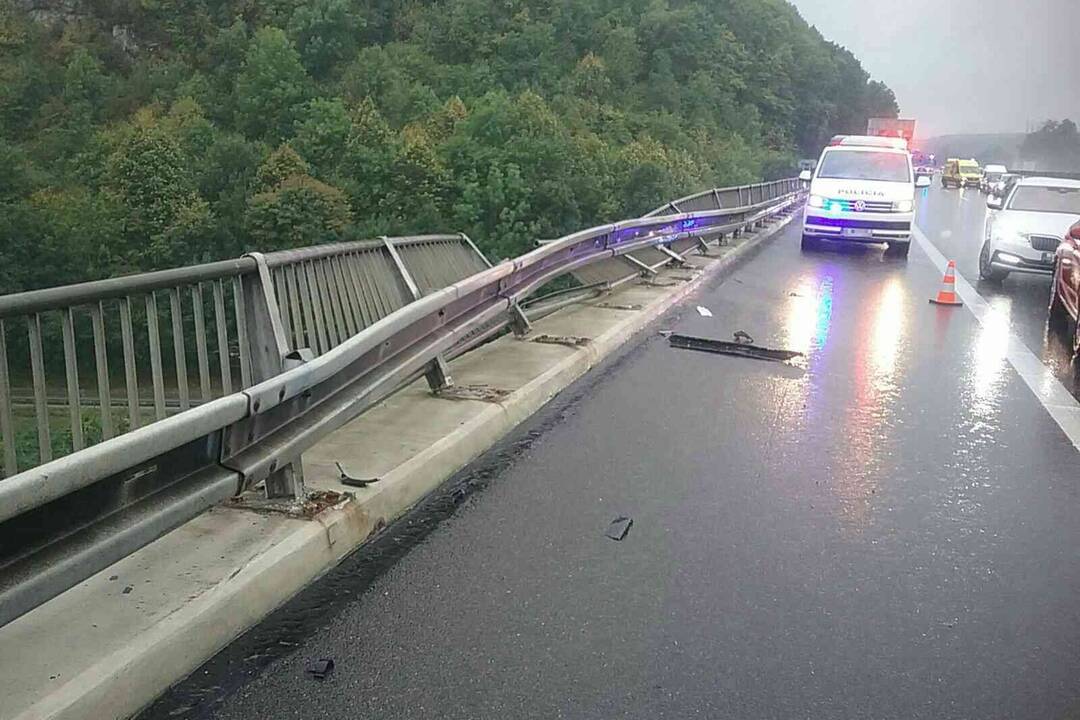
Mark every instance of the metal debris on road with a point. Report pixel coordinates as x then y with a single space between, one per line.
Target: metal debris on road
319 669
127 589
568 340
704 311
619 527
742 337
347 479
689 342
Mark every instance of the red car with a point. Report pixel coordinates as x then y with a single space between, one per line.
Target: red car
1065 288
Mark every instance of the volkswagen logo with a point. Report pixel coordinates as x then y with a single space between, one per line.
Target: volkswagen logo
860 205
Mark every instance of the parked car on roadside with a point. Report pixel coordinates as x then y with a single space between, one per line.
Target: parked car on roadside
1004 184
1064 307
1024 229
990 175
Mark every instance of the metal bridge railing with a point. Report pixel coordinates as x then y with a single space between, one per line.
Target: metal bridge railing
327 332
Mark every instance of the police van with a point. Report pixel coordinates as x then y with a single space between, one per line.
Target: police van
862 190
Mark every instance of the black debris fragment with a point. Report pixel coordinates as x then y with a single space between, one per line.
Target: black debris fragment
689 342
127 589
742 337
319 669
619 527
346 479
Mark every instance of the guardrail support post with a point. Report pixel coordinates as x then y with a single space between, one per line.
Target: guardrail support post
519 321
267 345
288 482
645 269
438 373
268 350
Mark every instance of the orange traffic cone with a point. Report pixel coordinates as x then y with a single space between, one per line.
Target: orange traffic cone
947 294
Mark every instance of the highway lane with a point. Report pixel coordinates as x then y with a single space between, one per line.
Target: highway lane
954 220
885 531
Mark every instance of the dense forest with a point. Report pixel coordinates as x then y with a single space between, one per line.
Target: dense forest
139 134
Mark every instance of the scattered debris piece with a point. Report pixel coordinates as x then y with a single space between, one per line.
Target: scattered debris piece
665 333
319 669
795 294
617 306
619 527
742 337
704 311
568 340
482 392
689 342
347 479
127 589
113 577
951 623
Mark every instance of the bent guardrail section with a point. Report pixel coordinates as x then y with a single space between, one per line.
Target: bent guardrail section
323 342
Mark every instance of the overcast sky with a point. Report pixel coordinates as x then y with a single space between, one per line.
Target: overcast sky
964 66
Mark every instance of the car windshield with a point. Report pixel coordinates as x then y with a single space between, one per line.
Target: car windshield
863 165
969 168
1033 198
993 176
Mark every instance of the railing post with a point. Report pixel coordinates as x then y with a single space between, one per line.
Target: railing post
475 249
267 349
438 372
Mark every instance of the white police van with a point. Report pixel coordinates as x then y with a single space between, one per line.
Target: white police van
862 190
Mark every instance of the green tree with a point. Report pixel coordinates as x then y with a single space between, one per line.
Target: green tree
325 33
271 86
322 132
293 209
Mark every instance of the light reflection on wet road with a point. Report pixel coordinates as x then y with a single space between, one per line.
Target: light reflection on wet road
954 221
886 531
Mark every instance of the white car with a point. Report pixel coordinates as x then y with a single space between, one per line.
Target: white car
1023 230
863 190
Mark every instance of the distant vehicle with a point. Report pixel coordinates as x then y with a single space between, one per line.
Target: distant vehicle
1004 184
922 163
1065 287
990 175
1024 229
891 127
961 173
863 190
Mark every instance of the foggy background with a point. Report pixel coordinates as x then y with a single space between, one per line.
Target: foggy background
964 66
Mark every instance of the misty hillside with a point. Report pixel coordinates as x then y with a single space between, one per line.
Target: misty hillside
996 148
147 134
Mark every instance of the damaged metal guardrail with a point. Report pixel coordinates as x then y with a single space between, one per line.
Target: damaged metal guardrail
321 344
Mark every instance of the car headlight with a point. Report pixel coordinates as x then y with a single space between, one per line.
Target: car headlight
903 205
816 201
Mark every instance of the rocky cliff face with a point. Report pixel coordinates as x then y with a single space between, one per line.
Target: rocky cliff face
56 13
53 12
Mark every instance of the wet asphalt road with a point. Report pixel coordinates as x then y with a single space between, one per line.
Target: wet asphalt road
887 531
954 221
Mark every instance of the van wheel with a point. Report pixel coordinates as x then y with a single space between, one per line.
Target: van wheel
898 249
988 271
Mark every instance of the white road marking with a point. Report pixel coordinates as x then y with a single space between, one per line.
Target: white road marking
1049 391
